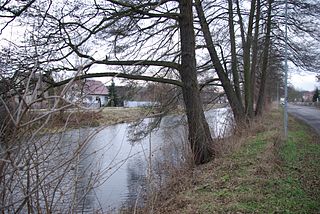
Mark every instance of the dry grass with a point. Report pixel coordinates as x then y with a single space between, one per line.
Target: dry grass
116 115
75 118
207 184
255 175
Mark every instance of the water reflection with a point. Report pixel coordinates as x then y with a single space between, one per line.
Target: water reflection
114 171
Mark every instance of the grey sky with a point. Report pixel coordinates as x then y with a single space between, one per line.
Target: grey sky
304 81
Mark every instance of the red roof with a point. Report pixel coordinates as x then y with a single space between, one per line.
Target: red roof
95 87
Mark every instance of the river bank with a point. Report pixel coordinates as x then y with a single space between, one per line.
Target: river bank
255 172
106 116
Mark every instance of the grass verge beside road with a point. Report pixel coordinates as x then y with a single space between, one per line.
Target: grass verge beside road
264 174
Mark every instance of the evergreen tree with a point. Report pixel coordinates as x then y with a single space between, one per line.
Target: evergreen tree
112 95
315 95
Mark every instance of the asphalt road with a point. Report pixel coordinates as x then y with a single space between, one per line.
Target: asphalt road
309 115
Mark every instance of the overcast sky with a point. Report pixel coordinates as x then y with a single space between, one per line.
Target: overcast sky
304 81
300 80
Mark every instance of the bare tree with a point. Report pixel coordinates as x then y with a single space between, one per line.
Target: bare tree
144 36
38 173
10 10
265 62
234 100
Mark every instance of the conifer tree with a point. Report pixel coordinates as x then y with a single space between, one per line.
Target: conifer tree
112 95
315 95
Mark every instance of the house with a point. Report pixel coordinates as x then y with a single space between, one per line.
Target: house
134 104
90 93
31 87
136 96
307 96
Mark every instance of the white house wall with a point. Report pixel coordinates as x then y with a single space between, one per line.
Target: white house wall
133 104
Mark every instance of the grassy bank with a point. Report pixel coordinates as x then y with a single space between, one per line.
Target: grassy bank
262 174
75 118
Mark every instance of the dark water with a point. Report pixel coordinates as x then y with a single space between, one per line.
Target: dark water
97 169
121 167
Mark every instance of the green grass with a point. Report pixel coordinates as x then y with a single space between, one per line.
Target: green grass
266 175
285 191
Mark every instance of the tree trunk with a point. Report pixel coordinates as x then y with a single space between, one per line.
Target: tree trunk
261 98
254 58
234 61
235 103
199 132
246 46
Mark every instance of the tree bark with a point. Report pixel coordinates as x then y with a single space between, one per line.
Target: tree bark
254 58
246 46
261 98
234 61
199 133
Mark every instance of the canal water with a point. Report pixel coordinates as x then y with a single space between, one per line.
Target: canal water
105 168
116 165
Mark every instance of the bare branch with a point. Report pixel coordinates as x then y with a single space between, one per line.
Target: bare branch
121 75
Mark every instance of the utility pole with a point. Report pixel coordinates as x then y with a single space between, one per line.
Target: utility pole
286 74
278 101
